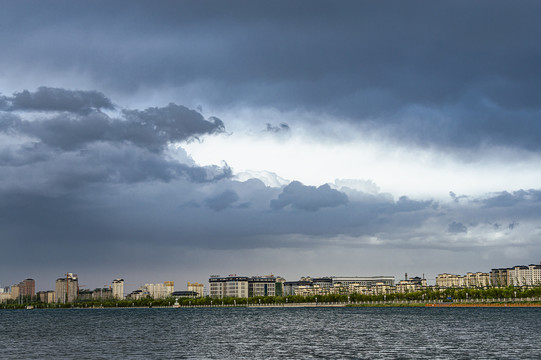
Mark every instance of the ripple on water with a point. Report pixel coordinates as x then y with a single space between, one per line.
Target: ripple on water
300 333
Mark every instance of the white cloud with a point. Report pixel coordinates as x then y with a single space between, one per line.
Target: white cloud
314 156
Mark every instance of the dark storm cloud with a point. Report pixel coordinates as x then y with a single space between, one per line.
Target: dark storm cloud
67 150
449 74
309 198
152 128
54 99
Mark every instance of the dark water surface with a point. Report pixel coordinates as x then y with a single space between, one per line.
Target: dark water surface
290 333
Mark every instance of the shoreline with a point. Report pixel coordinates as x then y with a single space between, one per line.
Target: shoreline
312 305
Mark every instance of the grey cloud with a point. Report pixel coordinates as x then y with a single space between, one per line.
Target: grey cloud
455 197
56 99
71 150
457 227
405 204
507 199
222 201
308 198
168 124
283 127
153 128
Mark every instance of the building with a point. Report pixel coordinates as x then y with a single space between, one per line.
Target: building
470 280
5 294
118 289
136 295
189 293
15 292
262 286
102 293
154 291
67 289
292 287
197 288
363 280
411 285
27 288
522 275
47 297
229 286
279 286
499 277
85 295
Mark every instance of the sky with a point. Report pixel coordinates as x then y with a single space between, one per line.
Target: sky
166 140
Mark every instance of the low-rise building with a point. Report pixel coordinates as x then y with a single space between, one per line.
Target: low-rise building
411 285
262 286
229 286
104 293
363 280
85 294
244 286
190 294
470 280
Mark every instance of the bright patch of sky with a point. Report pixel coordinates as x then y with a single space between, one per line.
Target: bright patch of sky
316 156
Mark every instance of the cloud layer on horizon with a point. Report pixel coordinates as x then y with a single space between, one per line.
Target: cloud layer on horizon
118 187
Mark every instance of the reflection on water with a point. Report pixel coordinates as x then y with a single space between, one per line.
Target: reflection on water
217 333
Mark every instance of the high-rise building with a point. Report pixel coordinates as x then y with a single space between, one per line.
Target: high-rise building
67 288
197 288
47 296
15 292
118 289
27 288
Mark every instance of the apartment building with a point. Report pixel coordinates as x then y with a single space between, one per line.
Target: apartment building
118 289
67 288
197 288
244 286
470 280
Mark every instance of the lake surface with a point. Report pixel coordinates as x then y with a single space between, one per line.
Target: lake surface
289 333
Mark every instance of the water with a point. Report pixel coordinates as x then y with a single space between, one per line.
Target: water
290 333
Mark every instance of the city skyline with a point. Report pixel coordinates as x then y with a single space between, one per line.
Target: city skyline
167 140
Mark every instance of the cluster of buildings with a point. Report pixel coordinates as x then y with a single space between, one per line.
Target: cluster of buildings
26 289
519 275
244 286
371 285
67 288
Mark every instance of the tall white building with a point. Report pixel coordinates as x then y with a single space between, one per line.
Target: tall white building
118 289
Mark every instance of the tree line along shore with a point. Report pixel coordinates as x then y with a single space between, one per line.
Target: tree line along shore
419 298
